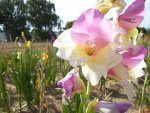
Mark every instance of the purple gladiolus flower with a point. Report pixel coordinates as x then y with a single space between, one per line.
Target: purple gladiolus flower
71 83
132 15
112 107
133 56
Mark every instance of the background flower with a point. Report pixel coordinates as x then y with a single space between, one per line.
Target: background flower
112 107
71 83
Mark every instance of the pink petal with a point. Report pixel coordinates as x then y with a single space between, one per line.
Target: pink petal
71 83
132 15
134 56
91 26
67 84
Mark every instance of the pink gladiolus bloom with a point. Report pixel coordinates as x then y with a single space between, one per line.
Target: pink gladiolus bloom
88 43
130 69
112 107
92 28
133 59
133 56
71 83
120 74
132 15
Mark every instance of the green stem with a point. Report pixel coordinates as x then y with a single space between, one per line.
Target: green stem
5 95
143 91
85 99
41 88
89 88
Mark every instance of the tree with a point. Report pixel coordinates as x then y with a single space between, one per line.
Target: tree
42 15
69 24
142 29
1 19
14 17
17 16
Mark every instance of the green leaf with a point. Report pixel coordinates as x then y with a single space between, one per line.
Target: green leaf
90 108
65 109
77 102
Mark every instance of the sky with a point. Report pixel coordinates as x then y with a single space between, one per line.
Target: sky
71 9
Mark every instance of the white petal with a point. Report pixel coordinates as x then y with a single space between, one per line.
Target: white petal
68 50
98 65
93 72
137 71
120 72
64 40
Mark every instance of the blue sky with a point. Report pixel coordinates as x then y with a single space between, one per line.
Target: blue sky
71 9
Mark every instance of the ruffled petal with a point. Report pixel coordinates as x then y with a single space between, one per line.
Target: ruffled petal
67 84
93 72
71 83
99 65
118 72
91 26
133 14
133 56
137 72
68 50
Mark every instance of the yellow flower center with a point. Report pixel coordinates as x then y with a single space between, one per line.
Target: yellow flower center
89 48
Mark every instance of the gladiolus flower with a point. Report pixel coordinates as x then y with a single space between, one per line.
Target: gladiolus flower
132 15
112 107
88 44
128 40
28 44
126 20
130 69
105 5
71 83
44 56
22 34
133 56
133 59
120 74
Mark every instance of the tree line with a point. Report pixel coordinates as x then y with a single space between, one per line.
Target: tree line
22 15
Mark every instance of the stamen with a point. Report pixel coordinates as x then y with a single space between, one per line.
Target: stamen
89 48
